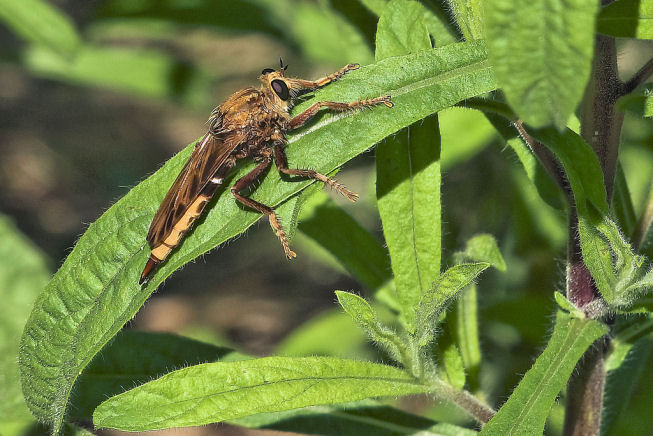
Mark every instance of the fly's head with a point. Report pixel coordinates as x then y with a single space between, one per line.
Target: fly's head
280 90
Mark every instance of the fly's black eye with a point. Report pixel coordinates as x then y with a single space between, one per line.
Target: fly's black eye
280 87
267 71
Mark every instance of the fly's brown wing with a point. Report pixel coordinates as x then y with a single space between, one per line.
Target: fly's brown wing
211 156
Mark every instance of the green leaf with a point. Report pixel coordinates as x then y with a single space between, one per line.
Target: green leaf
452 368
470 17
483 248
408 174
41 23
581 167
526 410
627 19
23 274
502 122
215 392
639 102
462 323
148 73
537 45
324 35
627 333
330 226
360 418
401 30
95 291
567 305
623 380
448 285
464 133
436 18
586 179
363 314
622 203
133 358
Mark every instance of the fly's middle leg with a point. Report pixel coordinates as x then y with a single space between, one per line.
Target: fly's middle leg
282 165
301 119
246 181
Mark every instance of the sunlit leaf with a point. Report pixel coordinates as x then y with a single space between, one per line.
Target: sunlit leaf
408 174
448 285
215 392
537 45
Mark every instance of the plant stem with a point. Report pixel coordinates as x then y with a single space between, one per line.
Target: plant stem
601 128
639 78
474 407
546 158
600 122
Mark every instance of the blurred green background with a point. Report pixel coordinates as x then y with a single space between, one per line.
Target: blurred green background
93 103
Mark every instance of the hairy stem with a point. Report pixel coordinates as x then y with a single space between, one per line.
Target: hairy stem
639 78
474 407
601 128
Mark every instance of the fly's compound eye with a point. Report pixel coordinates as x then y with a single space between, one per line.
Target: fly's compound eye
281 89
267 71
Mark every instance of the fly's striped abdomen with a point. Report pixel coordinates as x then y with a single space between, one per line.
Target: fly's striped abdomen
162 250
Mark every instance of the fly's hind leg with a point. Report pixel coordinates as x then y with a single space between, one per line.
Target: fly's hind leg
282 165
246 181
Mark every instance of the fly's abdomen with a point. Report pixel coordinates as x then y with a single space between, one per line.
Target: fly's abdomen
162 250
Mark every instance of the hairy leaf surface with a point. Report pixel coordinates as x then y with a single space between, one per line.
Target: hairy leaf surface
215 392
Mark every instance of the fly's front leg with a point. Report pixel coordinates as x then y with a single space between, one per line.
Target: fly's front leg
304 117
282 165
309 84
246 181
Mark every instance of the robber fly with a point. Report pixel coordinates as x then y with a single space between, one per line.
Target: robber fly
250 124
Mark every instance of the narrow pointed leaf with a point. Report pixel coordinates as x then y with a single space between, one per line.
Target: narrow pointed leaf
484 248
215 392
448 285
96 291
363 314
465 328
586 179
537 45
526 410
408 174
330 226
435 16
